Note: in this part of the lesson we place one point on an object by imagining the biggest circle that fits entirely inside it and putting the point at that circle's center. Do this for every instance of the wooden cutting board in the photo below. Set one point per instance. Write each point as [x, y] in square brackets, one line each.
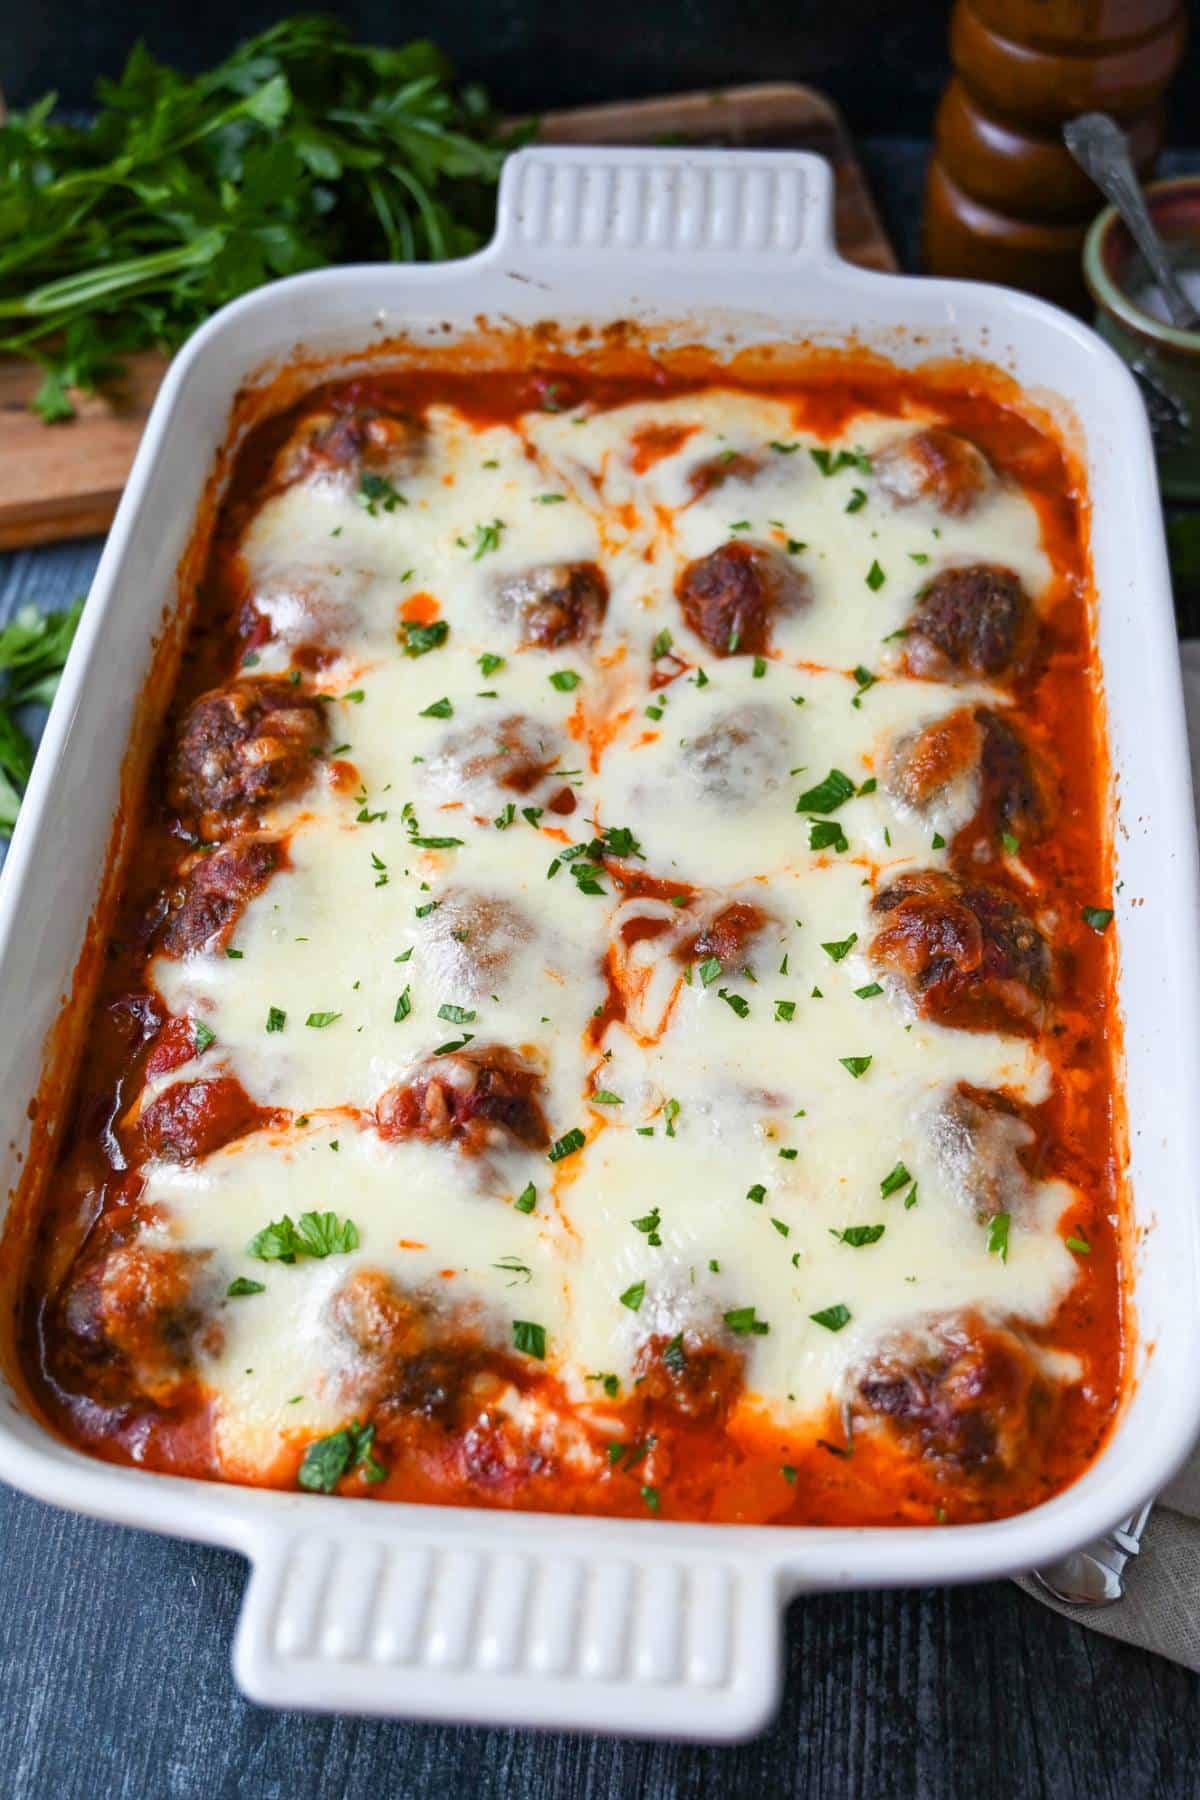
[64, 481]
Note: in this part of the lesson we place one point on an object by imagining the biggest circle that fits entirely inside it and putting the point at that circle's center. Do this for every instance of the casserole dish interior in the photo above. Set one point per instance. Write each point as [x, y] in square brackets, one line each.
[590, 1622]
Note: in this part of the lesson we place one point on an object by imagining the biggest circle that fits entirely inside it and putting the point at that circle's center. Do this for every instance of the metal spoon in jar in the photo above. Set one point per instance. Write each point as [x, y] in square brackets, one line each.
[1099, 147]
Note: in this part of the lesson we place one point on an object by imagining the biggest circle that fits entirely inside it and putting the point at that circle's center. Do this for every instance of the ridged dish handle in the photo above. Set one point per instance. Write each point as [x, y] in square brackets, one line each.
[440, 1624]
[751, 206]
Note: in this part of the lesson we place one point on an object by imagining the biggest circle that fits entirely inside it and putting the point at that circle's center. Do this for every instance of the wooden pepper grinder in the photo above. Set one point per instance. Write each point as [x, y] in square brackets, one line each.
[1004, 200]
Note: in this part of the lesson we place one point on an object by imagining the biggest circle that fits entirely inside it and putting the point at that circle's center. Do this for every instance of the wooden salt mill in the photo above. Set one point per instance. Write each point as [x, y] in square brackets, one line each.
[1004, 201]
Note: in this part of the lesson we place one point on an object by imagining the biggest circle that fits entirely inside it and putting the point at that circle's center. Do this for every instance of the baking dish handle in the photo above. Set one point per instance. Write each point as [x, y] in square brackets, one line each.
[440, 1623]
[747, 207]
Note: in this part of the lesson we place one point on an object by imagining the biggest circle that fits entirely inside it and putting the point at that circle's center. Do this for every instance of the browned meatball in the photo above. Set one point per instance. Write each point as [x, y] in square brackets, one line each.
[401, 1365]
[935, 465]
[728, 935]
[971, 746]
[982, 1141]
[556, 605]
[959, 1392]
[216, 892]
[487, 763]
[241, 748]
[743, 755]
[971, 624]
[470, 939]
[191, 1119]
[134, 1314]
[731, 597]
[689, 1375]
[965, 951]
[357, 434]
[314, 610]
[484, 1097]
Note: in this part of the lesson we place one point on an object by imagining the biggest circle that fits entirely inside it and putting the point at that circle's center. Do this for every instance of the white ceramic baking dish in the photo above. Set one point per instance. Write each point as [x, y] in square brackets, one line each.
[626, 1626]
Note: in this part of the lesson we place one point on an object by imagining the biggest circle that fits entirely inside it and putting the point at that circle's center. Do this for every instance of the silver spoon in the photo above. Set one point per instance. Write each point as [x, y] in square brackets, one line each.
[1098, 145]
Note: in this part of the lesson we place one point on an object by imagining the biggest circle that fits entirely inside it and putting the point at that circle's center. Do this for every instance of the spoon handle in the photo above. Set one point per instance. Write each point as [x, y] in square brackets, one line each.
[1098, 145]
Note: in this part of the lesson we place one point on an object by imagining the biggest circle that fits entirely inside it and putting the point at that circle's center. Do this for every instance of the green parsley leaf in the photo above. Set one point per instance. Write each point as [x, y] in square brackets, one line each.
[739, 1005]
[661, 645]
[529, 1339]
[419, 640]
[602, 1097]
[836, 951]
[567, 1145]
[319, 1020]
[757, 1193]
[633, 1296]
[875, 577]
[869, 992]
[742, 1322]
[565, 680]
[526, 1200]
[833, 1318]
[376, 494]
[1098, 917]
[828, 795]
[403, 1006]
[785, 1011]
[856, 1236]
[317, 1235]
[827, 834]
[1078, 1243]
[441, 709]
[856, 1065]
[1011, 844]
[488, 663]
[242, 1285]
[997, 1238]
[708, 970]
[276, 1018]
[857, 500]
[894, 1180]
[327, 1459]
[202, 1036]
[455, 1015]
[487, 538]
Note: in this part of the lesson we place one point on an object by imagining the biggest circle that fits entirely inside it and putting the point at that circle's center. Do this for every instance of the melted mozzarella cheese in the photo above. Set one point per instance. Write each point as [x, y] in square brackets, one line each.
[365, 936]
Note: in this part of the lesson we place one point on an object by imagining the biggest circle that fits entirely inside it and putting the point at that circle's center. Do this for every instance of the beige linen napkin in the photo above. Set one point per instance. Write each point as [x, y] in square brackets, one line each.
[1161, 1608]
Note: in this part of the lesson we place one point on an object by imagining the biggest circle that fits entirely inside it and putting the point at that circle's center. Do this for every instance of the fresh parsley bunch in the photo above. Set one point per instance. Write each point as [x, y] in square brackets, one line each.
[302, 149]
[33, 649]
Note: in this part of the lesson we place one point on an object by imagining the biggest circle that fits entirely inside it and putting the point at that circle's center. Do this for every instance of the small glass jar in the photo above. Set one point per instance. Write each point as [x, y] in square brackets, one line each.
[1131, 314]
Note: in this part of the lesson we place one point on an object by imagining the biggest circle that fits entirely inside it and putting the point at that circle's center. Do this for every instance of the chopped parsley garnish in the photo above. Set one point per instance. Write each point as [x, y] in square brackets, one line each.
[241, 1285]
[376, 494]
[781, 1228]
[671, 1112]
[435, 843]
[827, 795]
[327, 1459]
[760, 667]
[831, 461]
[650, 1497]
[937, 842]
[529, 1339]
[487, 537]
[565, 680]
[997, 1238]
[875, 577]
[526, 1200]
[857, 500]
[504, 819]
[742, 1322]
[739, 1005]
[455, 1015]
[918, 556]
[489, 663]
[661, 645]
[894, 1180]
[618, 840]
[1098, 917]
[783, 449]
[202, 1036]
[403, 1006]
[276, 1018]
[856, 1065]
[454, 1044]
[633, 1296]
[708, 970]
[566, 1145]
[788, 1473]
[319, 1020]
[603, 1097]
[1011, 844]
[423, 912]
[419, 640]
[831, 1317]
[649, 1227]
[757, 1193]
[869, 992]
[317, 1235]
[549, 499]
[827, 834]
[234, 955]
[1078, 1243]
[856, 1236]
[441, 709]
[785, 1011]
[841, 948]
[512, 1265]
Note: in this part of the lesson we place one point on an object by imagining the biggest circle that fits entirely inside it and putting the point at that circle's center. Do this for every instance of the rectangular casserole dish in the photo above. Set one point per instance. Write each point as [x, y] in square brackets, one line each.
[622, 1625]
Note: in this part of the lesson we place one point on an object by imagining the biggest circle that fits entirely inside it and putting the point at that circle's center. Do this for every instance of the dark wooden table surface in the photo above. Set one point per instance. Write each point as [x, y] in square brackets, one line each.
[114, 1646]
